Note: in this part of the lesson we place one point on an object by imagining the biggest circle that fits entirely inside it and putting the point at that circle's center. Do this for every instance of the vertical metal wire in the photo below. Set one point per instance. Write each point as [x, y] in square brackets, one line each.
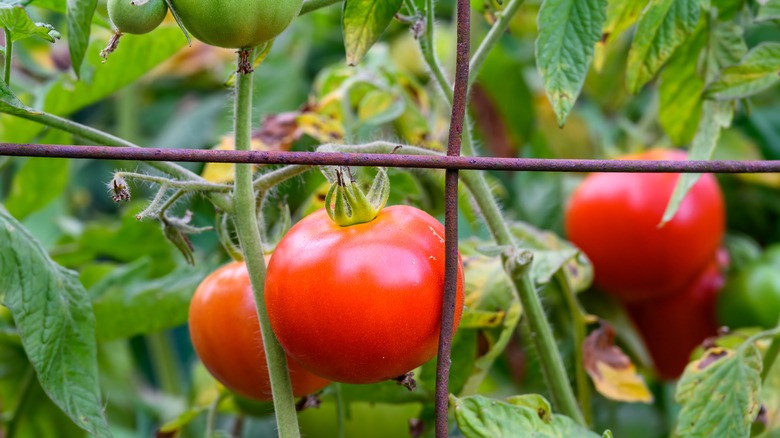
[451, 220]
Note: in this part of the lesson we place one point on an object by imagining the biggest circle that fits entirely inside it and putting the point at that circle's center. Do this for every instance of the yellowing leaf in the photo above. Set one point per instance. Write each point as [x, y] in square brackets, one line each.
[222, 173]
[321, 128]
[612, 372]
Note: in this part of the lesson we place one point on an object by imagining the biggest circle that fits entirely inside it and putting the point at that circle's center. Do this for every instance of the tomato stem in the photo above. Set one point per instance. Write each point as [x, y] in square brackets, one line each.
[770, 356]
[249, 237]
[9, 51]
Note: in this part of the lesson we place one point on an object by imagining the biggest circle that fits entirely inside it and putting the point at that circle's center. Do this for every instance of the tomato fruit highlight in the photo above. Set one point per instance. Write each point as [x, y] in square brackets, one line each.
[360, 303]
[226, 336]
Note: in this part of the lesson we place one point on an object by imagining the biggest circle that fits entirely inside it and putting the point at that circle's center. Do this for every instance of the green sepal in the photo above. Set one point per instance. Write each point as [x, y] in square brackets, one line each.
[346, 203]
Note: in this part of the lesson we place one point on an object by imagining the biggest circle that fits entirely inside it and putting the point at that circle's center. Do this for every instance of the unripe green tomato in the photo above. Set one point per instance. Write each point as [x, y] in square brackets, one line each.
[236, 24]
[751, 298]
[135, 16]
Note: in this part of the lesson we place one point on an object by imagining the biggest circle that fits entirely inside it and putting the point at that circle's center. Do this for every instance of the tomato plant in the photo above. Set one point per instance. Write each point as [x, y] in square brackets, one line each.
[236, 24]
[226, 336]
[360, 303]
[614, 218]
[672, 326]
[751, 296]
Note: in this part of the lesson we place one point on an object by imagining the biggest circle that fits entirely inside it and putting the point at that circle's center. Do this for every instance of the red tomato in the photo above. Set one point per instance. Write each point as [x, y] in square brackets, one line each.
[674, 325]
[226, 336]
[361, 303]
[614, 217]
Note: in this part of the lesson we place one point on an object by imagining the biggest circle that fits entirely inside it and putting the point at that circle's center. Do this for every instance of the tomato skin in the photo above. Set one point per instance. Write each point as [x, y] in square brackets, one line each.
[136, 19]
[360, 304]
[751, 297]
[674, 325]
[226, 336]
[614, 217]
[236, 24]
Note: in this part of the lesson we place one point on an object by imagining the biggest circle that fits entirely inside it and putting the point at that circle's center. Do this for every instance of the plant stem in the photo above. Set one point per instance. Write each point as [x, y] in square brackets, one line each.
[518, 266]
[770, 356]
[340, 414]
[211, 416]
[579, 324]
[492, 37]
[187, 186]
[249, 237]
[552, 365]
[164, 362]
[9, 51]
[104, 138]
[26, 389]
[313, 5]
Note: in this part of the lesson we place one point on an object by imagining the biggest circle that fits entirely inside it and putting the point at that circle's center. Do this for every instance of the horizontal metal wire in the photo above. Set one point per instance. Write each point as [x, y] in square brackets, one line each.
[387, 160]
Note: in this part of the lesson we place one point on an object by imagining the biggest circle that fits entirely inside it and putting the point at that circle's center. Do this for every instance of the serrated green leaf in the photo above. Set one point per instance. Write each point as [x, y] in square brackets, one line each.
[757, 71]
[482, 417]
[15, 20]
[715, 116]
[79, 14]
[621, 14]
[663, 26]
[769, 11]
[568, 32]
[126, 304]
[38, 182]
[719, 394]
[726, 48]
[363, 22]
[10, 104]
[680, 91]
[56, 324]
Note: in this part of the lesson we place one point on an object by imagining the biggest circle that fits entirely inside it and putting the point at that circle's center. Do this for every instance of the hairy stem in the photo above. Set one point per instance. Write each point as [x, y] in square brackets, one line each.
[211, 416]
[187, 186]
[249, 237]
[498, 29]
[100, 137]
[579, 324]
[9, 51]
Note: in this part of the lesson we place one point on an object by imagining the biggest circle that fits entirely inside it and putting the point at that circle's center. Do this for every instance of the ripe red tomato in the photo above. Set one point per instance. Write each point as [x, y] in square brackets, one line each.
[674, 325]
[614, 217]
[361, 303]
[226, 336]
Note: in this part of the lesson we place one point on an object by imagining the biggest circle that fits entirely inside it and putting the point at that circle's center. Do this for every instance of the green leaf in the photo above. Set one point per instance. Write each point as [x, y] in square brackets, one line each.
[664, 25]
[15, 19]
[482, 417]
[79, 14]
[380, 106]
[726, 48]
[680, 92]
[715, 116]
[568, 32]
[621, 14]
[758, 70]
[719, 394]
[127, 305]
[38, 182]
[138, 55]
[55, 322]
[363, 22]
[769, 11]
[10, 104]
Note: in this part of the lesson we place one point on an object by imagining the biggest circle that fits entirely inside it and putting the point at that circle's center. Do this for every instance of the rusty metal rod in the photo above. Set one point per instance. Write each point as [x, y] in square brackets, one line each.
[449, 301]
[387, 160]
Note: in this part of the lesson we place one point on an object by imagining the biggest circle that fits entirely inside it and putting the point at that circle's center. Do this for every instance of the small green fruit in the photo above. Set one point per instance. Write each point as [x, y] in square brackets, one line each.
[236, 24]
[136, 16]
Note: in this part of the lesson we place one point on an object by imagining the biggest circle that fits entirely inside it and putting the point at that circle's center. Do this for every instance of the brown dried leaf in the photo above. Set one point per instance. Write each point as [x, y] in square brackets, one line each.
[612, 372]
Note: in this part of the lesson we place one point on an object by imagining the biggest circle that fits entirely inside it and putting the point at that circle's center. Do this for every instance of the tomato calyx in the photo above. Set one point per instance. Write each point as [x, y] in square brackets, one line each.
[406, 380]
[346, 204]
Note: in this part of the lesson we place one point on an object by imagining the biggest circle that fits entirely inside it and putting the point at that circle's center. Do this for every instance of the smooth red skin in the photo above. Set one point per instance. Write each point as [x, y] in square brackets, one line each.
[614, 217]
[673, 326]
[360, 304]
[226, 336]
